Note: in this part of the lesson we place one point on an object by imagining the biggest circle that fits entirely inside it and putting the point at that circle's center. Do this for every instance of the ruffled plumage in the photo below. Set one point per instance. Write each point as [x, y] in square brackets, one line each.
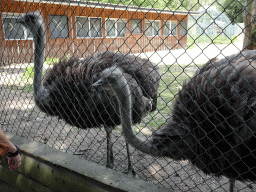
[213, 121]
[75, 100]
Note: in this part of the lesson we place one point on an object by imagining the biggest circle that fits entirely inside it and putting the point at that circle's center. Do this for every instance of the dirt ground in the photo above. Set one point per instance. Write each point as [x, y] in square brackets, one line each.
[20, 116]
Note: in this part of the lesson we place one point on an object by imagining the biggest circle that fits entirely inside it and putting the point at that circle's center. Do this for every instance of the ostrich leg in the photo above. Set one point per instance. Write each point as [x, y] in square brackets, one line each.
[110, 157]
[231, 185]
[131, 170]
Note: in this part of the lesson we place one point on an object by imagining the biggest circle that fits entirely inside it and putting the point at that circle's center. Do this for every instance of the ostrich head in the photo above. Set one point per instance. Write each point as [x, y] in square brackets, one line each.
[33, 21]
[111, 78]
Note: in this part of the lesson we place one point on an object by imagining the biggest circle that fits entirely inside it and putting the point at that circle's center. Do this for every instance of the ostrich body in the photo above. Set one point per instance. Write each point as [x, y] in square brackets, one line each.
[67, 91]
[213, 120]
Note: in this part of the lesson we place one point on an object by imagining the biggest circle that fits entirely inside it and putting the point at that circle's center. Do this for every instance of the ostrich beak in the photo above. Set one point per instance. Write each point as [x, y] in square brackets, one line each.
[20, 19]
[97, 83]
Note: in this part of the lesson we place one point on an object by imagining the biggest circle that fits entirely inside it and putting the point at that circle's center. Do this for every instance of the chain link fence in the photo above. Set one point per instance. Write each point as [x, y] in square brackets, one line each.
[176, 37]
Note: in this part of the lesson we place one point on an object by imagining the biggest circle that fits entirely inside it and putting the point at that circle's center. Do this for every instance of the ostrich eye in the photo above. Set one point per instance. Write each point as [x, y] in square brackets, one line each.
[30, 19]
[27, 19]
[112, 78]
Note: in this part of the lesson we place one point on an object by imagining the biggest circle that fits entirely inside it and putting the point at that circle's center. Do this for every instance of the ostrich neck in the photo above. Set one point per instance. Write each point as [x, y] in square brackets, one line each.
[39, 53]
[124, 97]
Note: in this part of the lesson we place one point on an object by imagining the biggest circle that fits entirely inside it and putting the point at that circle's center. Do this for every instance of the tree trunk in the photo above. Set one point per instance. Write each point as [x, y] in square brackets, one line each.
[249, 14]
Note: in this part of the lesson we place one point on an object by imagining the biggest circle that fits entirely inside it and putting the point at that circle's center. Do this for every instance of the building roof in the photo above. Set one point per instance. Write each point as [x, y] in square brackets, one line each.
[111, 6]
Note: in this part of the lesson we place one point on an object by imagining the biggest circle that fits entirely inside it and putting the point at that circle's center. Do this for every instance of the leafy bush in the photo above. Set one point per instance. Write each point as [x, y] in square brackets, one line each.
[28, 73]
[51, 60]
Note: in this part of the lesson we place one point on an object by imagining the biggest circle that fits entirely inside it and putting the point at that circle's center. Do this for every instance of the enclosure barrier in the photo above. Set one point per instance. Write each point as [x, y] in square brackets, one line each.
[170, 54]
[46, 169]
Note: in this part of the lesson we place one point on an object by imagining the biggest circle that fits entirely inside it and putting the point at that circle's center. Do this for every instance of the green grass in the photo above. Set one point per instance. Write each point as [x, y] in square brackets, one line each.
[27, 77]
[172, 78]
[204, 39]
[28, 73]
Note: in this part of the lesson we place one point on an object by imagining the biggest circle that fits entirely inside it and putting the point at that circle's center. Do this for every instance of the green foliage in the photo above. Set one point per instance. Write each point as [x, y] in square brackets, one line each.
[233, 9]
[28, 72]
[184, 5]
[51, 60]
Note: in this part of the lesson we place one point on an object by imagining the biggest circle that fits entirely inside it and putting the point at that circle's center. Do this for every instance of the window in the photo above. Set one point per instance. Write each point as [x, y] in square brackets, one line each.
[170, 28]
[136, 26]
[152, 28]
[183, 28]
[14, 30]
[58, 26]
[95, 29]
[115, 28]
[110, 28]
[88, 27]
[82, 27]
[121, 28]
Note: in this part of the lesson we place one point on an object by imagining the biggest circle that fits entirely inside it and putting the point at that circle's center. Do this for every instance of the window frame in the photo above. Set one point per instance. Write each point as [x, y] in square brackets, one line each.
[153, 29]
[25, 30]
[116, 28]
[68, 35]
[170, 22]
[132, 30]
[89, 19]
[183, 28]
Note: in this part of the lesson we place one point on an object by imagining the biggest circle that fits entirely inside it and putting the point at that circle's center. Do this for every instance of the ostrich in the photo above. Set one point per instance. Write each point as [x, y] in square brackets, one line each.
[67, 91]
[213, 118]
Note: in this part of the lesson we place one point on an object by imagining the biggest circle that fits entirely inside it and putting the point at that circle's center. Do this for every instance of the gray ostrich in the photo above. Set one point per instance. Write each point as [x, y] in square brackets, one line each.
[213, 120]
[67, 92]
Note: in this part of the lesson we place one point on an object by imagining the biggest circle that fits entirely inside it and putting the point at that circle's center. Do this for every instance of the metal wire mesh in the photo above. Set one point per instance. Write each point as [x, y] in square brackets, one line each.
[160, 32]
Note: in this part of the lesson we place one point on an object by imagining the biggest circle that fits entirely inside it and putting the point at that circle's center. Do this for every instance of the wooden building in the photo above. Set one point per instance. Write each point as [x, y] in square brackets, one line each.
[83, 28]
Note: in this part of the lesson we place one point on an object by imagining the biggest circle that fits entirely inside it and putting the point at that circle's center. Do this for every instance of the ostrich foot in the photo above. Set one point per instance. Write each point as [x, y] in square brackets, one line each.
[110, 165]
[231, 185]
[110, 159]
[130, 171]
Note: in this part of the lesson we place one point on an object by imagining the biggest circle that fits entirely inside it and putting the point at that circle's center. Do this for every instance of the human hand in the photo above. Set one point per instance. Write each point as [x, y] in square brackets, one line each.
[14, 162]
[14, 158]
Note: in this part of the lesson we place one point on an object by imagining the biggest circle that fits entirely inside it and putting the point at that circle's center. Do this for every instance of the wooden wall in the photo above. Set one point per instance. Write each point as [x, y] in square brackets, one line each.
[15, 51]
